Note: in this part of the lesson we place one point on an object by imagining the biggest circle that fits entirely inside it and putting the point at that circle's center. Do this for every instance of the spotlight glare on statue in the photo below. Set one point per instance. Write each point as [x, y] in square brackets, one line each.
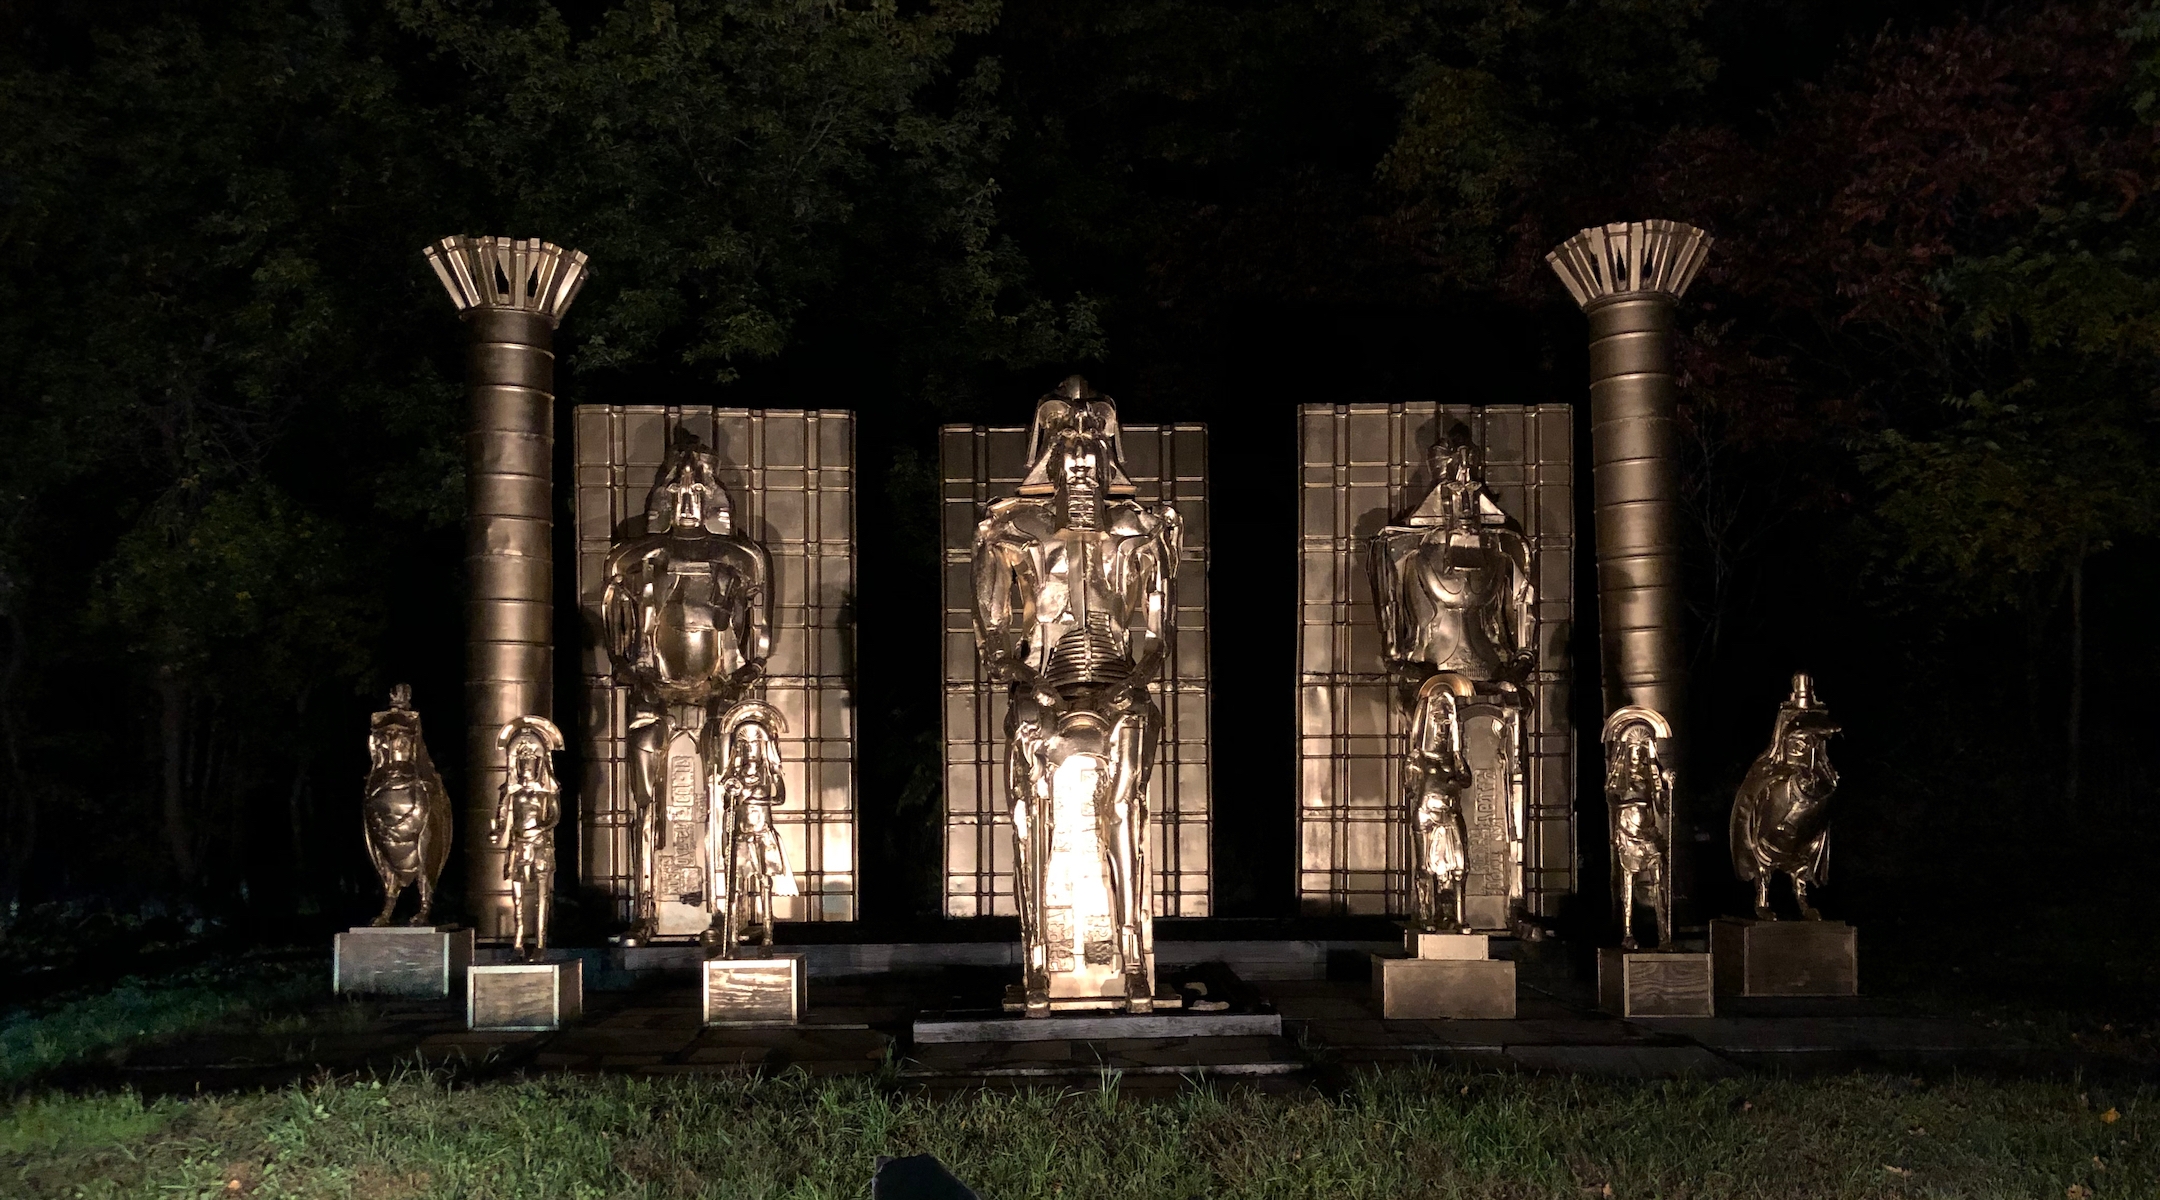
[1781, 816]
[526, 809]
[407, 815]
[1072, 582]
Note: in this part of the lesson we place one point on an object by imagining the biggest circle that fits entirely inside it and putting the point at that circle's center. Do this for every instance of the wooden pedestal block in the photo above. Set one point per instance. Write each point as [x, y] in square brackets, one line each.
[756, 991]
[531, 997]
[1654, 983]
[400, 961]
[1785, 958]
[1431, 989]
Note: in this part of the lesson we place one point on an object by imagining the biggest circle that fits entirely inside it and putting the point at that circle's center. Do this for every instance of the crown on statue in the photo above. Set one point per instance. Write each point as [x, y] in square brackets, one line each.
[500, 272]
[1630, 258]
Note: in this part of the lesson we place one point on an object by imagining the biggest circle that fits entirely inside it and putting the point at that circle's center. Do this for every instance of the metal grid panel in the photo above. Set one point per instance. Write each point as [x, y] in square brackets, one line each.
[981, 464]
[1361, 465]
[791, 474]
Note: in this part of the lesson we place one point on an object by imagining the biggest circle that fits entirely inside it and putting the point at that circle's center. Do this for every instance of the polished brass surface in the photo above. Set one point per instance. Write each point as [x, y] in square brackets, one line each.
[768, 990]
[1628, 276]
[525, 997]
[1638, 810]
[406, 814]
[1420, 944]
[527, 806]
[1785, 958]
[789, 478]
[1655, 983]
[686, 613]
[1161, 464]
[400, 962]
[1781, 816]
[745, 784]
[512, 293]
[1456, 602]
[1444, 989]
[1363, 465]
[1072, 581]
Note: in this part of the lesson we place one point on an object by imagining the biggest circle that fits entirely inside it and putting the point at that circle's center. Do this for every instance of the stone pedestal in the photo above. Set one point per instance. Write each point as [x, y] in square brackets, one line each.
[400, 961]
[1654, 983]
[530, 997]
[1448, 976]
[774, 990]
[1785, 958]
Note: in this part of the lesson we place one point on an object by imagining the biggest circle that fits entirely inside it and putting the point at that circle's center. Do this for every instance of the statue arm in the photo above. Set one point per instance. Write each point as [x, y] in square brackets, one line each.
[1159, 568]
[1005, 589]
[757, 615]
[499, 826]
[1521, 604]
[1384, 567]
[621, 602]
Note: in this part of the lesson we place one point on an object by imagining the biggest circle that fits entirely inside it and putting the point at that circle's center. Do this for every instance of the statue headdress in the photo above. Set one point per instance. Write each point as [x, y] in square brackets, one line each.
[1075, 411]
[688, 454]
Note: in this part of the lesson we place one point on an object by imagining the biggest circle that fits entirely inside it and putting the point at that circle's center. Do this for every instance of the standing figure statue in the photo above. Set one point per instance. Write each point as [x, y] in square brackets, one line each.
[1434, 777]
[1072, 608]
[526, 809]
[687, 612]
[748, 867]
[406, 813]
[1452, 590]
[1638, 805]
[1781, 816]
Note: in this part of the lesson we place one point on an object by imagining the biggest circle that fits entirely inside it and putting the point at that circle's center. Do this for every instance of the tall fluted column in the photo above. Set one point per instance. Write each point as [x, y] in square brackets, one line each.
[1628, 277]
[511, 293]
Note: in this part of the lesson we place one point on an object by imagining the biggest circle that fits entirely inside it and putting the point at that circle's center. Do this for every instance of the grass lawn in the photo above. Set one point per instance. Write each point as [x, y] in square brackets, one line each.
[1407, 1133]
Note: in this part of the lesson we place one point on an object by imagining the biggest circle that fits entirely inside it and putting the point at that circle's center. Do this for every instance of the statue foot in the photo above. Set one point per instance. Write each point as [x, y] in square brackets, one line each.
[380, 922]
[419, 920]
[1810, 914]
[1139, 997]
[1763, 912]
[1038, 1002]
[639, 933]
[1628, 942]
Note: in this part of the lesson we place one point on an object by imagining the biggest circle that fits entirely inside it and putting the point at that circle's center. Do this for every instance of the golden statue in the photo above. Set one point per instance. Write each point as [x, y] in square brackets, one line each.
[1781, 816]
[748, 867]
[1434, 778]
[1072, 606]
[688, 617]
[406, 813]
[1638, 807]
[528, 805]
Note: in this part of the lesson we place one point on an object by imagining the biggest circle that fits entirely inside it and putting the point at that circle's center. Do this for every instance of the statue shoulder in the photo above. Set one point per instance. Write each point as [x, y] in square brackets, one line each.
[1024, 516]
[1130, 518]
[625, 557]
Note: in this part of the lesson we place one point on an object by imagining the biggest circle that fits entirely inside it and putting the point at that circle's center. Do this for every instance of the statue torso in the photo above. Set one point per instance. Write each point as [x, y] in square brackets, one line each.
[692, 595]
[1074, 577]
[1453, 588]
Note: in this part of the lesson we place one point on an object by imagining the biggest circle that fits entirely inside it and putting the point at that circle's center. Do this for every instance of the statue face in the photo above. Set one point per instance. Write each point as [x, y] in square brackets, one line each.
[528, 762]
[687, 494]
[395, 743]
[752, 745]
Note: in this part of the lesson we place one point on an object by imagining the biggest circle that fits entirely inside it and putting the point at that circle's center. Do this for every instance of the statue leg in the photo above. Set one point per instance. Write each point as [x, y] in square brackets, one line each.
[1031, 844]
[517, 914]
[543, 888]
[647, 752]
[1799, 889]
[1763, 911]
[1131, 750]
[1627, 910]
[1662, 899]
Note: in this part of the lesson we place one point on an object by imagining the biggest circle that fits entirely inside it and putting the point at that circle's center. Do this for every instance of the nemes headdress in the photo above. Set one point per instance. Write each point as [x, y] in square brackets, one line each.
[1073, 412]
[688, 455]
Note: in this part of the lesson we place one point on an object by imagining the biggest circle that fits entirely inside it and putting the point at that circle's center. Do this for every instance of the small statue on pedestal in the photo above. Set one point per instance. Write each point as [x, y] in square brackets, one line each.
[524, 824]
[1434, 777]
[1452, 591]
[1072, 608]
[1638, 805]
[1781, 816]
[406, 813]
[748, 867]
[688, 621]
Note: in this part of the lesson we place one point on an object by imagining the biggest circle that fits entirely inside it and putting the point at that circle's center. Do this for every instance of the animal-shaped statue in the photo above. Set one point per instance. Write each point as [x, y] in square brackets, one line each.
[406, 813]
[1638, 805]
[1781, 816]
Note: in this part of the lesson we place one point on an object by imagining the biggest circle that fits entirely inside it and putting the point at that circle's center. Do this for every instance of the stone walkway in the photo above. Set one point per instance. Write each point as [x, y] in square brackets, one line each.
[1330, 1030]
